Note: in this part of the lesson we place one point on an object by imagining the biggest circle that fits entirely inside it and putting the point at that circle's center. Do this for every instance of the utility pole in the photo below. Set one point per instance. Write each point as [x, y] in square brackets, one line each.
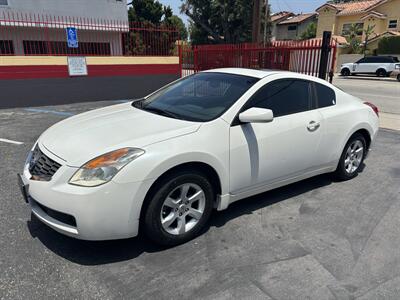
[256, 21]
[266, 22]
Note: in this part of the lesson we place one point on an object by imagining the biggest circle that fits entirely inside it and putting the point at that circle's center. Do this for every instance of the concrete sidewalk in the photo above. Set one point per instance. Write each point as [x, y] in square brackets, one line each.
[389, 121]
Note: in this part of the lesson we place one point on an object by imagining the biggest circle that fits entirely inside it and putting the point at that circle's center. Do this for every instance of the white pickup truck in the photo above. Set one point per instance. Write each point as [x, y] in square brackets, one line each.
[381, 66]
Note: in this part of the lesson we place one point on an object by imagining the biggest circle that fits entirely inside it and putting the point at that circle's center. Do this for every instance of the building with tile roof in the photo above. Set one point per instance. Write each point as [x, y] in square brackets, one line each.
[384, 15]
[276, 18]
[293, 27]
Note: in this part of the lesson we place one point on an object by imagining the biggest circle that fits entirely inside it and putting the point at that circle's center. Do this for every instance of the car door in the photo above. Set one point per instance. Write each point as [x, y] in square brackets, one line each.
[332, 123]
[362, 66]
[264, 153]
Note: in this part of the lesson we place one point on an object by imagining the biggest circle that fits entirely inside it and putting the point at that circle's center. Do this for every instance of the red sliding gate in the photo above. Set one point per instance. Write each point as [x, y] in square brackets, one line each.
[302, 57]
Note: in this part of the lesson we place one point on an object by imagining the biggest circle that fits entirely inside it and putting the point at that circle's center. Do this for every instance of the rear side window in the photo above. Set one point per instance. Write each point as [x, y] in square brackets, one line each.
[283, 97]
[325, 95]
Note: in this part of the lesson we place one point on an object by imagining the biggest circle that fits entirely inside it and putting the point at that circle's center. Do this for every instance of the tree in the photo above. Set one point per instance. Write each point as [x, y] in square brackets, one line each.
[219, 21]
[368, 32]
[177, 23]
[154, 15]
[389, 45]
[145, 11]
[353, 35]
[311, 31]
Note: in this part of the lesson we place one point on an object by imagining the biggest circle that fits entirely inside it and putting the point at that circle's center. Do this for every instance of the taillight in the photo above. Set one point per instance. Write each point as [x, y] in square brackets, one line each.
[374, 108]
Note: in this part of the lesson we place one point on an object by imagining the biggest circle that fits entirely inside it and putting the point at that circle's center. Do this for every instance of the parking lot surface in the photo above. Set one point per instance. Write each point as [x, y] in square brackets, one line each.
[316, 239]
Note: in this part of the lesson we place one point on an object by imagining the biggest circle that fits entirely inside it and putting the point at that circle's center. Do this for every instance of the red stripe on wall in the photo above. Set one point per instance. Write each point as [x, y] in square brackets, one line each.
[27, 72]
[121, 70]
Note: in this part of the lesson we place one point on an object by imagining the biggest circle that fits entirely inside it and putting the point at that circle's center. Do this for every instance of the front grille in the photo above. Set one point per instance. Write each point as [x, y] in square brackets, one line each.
[59, 216]
[41, 166]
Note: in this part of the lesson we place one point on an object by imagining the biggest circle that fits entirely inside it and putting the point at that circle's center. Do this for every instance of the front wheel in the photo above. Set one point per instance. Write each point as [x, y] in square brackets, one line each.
[352, 158]
[345, 72]
[398, 77]
[179, 208]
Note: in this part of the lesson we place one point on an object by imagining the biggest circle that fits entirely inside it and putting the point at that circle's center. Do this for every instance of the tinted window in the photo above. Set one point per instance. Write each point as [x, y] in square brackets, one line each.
[325, 95]
[201, 97]
[283, 97]
[371, 60]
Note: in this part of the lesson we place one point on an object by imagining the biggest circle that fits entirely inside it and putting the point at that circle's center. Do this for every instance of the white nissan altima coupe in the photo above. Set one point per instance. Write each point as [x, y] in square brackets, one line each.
[161, 164]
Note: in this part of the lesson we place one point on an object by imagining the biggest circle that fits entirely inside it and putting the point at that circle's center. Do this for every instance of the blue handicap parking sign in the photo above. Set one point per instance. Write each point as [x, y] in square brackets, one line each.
[72, 37]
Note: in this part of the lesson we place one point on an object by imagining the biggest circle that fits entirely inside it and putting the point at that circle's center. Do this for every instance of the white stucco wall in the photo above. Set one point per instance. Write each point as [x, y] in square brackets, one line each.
[98, 9]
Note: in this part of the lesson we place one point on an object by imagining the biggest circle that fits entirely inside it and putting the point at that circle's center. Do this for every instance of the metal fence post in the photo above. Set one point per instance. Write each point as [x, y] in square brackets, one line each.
[325, 49]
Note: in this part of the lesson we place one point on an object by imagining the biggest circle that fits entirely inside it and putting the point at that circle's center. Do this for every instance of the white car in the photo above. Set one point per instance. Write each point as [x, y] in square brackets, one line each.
[381, 66]
[163, 163]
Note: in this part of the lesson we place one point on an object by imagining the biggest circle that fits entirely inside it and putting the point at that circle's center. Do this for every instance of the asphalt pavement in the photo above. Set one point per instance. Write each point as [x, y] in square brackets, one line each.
[383, 92]
[316, 239]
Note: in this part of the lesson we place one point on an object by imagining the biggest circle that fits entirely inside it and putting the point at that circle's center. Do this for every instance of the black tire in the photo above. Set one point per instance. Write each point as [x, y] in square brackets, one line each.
[341, 173]
[381, 73]
[345, 72]
[152, 215]
[398, 77]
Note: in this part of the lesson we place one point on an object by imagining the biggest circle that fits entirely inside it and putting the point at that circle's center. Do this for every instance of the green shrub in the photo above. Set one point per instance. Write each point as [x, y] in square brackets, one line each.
[389, 45]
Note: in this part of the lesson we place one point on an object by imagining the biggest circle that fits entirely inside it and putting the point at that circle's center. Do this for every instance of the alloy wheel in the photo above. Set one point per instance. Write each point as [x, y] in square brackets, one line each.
[183, 208]
[354, 156]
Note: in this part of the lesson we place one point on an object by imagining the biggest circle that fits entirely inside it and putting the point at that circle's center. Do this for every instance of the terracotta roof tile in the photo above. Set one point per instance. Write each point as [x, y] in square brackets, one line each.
[280, 15]
[350, 8]
[297, 19]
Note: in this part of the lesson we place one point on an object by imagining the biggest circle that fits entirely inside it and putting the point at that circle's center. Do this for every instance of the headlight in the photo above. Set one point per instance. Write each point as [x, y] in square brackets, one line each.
[103, 168]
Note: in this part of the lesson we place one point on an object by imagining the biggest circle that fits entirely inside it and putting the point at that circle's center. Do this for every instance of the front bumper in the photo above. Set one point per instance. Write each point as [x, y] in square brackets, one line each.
[109, 211]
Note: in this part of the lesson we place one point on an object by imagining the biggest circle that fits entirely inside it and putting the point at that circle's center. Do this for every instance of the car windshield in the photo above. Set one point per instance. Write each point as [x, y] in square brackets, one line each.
[201, 97]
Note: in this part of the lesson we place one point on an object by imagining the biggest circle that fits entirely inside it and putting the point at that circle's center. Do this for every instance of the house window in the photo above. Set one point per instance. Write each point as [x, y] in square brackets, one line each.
[347, 28]
[6, 47]
[3, 2]
[392, 24]
[61, 48]
[292, 27]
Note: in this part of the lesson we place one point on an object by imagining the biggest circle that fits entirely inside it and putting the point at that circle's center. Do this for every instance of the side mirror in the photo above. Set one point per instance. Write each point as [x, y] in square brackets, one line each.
[256, 115]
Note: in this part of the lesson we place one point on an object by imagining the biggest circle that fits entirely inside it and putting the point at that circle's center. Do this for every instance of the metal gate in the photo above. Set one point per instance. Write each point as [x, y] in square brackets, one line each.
[302, 57]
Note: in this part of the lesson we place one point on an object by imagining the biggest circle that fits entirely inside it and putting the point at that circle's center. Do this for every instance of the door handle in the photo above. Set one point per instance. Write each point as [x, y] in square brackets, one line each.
[312, 126]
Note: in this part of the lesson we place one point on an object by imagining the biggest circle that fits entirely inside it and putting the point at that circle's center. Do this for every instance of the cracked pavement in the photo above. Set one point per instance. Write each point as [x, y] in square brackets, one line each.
[315, 239]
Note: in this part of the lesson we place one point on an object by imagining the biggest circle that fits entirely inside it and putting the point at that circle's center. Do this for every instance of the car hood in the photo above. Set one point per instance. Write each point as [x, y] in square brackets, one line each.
[81, 138]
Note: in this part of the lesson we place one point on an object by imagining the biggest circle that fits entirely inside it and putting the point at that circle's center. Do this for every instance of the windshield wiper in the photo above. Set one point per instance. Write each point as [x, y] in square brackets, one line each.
[138, 103]
[162, 112]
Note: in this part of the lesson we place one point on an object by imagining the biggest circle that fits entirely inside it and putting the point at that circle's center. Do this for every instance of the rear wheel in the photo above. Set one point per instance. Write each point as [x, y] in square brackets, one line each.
[381, 73]
[179, 209]
[345, 72]
[398, 77]
[352, 157]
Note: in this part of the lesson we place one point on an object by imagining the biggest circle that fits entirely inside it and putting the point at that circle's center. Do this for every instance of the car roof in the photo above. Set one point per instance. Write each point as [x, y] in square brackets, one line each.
[245, 72]
[267, 72]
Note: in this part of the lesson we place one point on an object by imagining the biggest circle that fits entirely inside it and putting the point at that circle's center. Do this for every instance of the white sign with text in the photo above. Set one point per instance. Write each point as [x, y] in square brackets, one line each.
[77, 66]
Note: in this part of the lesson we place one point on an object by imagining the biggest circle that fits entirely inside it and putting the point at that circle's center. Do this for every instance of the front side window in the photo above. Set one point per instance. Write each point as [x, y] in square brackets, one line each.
[283, 97]
[201, 97]
[325, 95]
